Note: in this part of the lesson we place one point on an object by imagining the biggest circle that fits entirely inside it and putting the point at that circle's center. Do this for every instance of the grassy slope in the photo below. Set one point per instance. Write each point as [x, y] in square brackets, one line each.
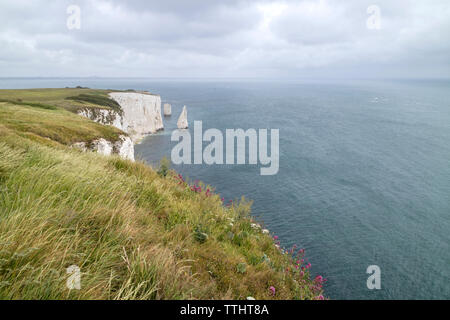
[55, 97]
[57, 125]
[134, 234]
[49, 113]
[65, 98]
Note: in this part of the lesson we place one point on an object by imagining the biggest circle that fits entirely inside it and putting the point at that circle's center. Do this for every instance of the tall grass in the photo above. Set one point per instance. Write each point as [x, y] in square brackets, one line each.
[53, 124]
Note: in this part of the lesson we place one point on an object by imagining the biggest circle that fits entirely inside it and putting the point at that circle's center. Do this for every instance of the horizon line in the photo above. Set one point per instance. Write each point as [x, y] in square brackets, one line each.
[227, 78]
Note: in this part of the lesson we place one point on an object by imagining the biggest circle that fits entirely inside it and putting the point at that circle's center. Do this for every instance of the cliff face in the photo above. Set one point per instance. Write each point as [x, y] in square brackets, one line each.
[106, 117]
[140, 116]
[124, 147]
[141, 113]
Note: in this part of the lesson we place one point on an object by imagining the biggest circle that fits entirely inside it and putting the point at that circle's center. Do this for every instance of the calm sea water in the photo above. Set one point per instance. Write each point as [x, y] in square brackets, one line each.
[364, 172]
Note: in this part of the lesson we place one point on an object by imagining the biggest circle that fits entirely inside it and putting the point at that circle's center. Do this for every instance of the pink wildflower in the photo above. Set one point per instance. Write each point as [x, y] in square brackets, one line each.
[319, 279]
[272, 290]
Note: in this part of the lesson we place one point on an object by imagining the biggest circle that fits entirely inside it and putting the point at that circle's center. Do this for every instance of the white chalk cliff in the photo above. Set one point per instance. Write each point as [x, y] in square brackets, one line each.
[105, 116]
[167, 110]
[183, 120]
[124, 147]
[141, 113]
[140, 116]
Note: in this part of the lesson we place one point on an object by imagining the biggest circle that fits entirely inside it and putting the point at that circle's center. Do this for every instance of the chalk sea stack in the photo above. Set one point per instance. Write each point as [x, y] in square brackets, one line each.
[183, 120]
[167, 110]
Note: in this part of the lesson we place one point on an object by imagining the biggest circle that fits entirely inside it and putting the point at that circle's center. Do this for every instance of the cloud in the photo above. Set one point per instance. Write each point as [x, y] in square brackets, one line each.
[233, 38]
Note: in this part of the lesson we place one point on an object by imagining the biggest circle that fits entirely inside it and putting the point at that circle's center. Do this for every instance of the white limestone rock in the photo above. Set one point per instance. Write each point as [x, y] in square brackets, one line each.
[106, 117]
[124, 147]
[103, 147]
[183, 120]
[141, 113]
[140, 116]
[167, 110]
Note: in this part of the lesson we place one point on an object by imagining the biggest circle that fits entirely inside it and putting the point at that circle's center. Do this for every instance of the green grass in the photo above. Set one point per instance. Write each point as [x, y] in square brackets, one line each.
[29, 104]
[134, 233]
[97, 100]
[71, 99]
[56, 124]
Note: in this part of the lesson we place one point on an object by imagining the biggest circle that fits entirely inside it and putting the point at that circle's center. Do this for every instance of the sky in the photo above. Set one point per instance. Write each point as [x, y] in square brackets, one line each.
[225, 39]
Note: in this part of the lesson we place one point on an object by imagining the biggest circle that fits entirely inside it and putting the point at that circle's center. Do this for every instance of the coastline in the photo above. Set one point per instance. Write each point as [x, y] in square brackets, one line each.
[139, 224]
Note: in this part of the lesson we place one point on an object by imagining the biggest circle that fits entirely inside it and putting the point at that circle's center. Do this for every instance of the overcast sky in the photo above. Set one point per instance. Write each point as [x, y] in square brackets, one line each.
[229, 38]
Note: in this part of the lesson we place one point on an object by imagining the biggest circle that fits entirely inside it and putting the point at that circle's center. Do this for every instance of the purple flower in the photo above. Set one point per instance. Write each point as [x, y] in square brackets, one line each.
[272, 290]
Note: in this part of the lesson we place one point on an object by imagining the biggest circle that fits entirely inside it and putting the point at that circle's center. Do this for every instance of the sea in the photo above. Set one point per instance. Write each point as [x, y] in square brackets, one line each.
[364, 170]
